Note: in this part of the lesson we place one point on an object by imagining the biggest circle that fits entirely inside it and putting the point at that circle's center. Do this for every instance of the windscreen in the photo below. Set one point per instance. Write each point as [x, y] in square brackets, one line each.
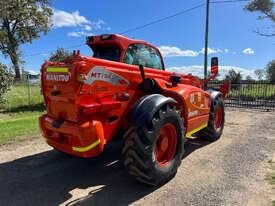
[108, 53]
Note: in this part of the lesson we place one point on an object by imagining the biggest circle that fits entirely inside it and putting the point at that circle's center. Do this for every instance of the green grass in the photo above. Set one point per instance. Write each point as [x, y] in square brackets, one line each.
[19, 115]
[18, 125]
[18, 96]
[270, 177]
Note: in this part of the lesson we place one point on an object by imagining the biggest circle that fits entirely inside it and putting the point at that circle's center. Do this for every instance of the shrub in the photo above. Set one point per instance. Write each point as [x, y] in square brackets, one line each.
[6, 79]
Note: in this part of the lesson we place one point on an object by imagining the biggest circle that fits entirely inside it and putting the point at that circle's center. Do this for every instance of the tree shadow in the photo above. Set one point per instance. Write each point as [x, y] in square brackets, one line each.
[51, 178]
[40, 107]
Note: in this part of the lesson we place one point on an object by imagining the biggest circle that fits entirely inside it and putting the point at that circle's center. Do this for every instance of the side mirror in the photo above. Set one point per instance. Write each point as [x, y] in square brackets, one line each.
[214, 65]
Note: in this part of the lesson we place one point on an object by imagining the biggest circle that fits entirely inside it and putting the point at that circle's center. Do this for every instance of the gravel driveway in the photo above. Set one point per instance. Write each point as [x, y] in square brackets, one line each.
[229, 171]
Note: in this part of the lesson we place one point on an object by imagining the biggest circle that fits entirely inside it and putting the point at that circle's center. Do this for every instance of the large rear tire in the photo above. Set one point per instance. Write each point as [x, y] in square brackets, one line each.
[214, 129]
[152, 153]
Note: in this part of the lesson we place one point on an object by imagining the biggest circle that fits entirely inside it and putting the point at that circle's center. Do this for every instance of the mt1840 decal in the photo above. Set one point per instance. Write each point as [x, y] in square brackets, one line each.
[101, 74]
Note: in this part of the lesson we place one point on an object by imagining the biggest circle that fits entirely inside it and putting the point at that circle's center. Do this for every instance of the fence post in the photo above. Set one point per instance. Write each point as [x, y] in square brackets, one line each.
[239, 99]
[29, 91]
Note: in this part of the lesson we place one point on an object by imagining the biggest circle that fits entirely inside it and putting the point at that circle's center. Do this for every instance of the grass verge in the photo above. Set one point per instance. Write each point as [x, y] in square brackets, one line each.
[18, 126]
[19, 115]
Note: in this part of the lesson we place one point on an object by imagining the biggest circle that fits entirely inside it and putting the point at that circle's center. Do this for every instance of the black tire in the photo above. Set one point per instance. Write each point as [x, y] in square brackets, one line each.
[139, 149]
[210, 133]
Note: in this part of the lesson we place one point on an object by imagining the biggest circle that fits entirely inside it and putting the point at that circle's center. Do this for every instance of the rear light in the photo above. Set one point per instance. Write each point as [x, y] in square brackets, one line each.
[105, 106]
[90, 109]
[122, 96]
[81, 77]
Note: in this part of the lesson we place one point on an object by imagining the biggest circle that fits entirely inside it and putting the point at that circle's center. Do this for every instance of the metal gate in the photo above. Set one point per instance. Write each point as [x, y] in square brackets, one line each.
[249, 94]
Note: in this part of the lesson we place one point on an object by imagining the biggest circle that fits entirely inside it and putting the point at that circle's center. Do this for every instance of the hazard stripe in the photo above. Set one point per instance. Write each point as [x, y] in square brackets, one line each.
[57, 69]
[85, 149]
[196, 130]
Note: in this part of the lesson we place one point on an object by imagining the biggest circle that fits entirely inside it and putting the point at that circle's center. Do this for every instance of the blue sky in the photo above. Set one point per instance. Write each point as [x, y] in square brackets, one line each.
[180, 39]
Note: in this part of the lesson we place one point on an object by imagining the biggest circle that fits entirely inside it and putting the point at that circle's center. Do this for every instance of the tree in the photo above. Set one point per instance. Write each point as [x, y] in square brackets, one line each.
[5, 81]
[266, 7]
[260, 73]
[270, 71]
[21, 21]
[60, 55]
[234, 77]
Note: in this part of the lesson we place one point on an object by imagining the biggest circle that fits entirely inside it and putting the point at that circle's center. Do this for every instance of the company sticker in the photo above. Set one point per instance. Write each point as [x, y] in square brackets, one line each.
[101, 74]
[193, 113]
[58, 77]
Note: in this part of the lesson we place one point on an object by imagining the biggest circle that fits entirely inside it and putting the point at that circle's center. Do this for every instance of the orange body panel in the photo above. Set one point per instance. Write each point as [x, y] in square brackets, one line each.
[92, 113]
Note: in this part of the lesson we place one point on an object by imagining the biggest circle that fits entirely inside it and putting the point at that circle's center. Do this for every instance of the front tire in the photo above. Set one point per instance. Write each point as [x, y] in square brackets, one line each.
[152, 153]
[214, 129]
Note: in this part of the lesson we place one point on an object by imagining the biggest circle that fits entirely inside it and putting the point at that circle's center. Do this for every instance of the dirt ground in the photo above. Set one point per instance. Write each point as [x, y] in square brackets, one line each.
[229, 171]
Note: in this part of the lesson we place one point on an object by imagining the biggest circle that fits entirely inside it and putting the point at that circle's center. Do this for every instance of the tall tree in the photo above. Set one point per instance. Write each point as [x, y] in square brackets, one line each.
[60, 55]
[21, 21]
[260, 73]
[266, 7]
[234, 77]
[270, 71]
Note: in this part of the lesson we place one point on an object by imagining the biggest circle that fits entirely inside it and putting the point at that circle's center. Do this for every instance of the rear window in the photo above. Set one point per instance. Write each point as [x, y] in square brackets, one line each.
[108, 53]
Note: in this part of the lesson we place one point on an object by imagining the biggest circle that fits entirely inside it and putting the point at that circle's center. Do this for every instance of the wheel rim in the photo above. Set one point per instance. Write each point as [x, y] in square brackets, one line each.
[218, 118]
[166, 144]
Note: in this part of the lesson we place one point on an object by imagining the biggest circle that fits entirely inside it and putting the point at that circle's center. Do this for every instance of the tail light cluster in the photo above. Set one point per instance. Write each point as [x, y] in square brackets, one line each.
[122, 97]
[81, 77]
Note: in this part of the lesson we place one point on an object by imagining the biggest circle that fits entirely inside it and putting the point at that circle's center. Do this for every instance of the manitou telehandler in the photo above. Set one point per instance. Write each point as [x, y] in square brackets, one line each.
[124, 93]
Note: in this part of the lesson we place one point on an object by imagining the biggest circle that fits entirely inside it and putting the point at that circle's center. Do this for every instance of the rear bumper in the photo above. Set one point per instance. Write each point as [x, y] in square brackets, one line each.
[79, 139]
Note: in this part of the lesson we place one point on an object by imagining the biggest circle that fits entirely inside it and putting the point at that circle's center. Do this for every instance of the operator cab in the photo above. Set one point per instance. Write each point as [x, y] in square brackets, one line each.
[118, 48]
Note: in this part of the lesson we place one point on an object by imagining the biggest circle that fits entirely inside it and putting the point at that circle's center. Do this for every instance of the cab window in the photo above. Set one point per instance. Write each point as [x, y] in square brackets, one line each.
[108, 53]
[140, 54]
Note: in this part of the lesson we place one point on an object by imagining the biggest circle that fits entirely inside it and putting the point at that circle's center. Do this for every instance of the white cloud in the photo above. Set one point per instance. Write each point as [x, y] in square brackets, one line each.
[198, 70]
[78, 34]
[75, 34]
[168, 51]
[74, 19]
[248, 51]
[65, 19]
[98, 24]
[211, 51]
[87, 28]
